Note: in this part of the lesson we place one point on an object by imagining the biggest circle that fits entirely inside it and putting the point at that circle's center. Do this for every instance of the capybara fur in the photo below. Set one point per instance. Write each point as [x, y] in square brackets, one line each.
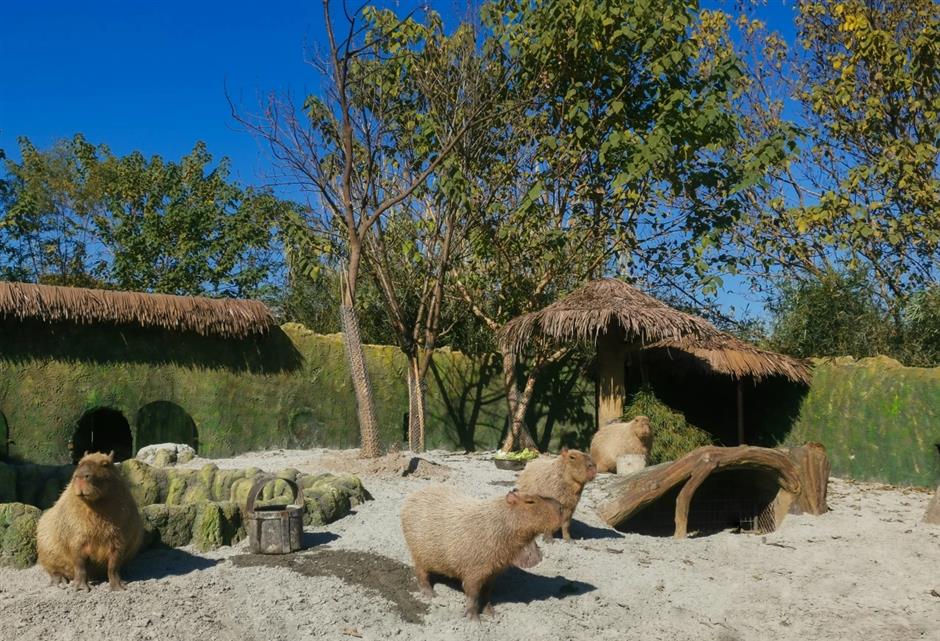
[94, 527]
[614, 440]
[563, 479]
[472, 540]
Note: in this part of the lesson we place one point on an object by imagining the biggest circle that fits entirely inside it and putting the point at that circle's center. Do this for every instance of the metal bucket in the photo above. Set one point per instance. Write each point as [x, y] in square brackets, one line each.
[275, 529]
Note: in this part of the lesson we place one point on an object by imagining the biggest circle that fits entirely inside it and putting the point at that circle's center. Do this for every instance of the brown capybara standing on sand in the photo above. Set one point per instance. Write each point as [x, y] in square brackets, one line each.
[472, 540]
[94, 526]
[562, 479]
[617, 439]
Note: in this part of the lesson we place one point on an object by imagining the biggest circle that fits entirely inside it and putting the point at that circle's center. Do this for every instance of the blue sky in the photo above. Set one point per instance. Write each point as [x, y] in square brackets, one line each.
[152, 76]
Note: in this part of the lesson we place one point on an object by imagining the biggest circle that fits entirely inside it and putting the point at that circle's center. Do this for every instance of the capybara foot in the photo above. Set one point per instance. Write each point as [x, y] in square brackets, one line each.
[548, 538]
[81, 585]
[489, 611]
[426, 590]
[117, 584]
[472, 614]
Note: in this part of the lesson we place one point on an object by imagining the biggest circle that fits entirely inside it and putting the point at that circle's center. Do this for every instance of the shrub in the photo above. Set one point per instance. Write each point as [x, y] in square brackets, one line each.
[673, 435]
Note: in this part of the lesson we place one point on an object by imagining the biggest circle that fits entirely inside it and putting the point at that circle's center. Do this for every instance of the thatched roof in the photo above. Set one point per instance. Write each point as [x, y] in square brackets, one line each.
[731, 356]
[591, 309]
[229, 318]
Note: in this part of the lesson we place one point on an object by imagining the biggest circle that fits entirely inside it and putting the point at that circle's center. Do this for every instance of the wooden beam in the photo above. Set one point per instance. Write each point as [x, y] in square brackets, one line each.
[611, 354]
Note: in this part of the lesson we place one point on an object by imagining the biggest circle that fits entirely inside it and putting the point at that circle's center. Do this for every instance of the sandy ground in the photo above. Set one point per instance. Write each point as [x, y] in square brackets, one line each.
[865, 570]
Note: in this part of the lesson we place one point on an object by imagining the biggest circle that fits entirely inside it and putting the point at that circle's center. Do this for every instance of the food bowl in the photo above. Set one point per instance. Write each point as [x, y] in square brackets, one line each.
[509, 464]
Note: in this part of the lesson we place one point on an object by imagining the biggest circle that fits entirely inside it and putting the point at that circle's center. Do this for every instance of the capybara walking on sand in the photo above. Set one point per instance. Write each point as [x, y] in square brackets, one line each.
[616, 439]
[93, 528]
[472, 540]
[562, 479]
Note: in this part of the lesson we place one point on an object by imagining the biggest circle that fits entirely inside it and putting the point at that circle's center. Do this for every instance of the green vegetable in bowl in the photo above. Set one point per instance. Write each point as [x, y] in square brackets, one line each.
[524, 455]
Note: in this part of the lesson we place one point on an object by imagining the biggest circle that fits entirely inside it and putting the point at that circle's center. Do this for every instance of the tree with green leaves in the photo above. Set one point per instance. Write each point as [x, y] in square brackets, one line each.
[79, 215]
[361, 148]
[862, 193]
[629, 159]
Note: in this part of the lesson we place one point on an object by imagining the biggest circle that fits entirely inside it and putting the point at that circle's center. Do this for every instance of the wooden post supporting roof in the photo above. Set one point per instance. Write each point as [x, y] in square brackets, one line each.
[611, 355]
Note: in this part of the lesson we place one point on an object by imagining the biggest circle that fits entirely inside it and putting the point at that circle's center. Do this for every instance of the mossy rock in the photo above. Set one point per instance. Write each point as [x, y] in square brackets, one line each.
[184, 455]
[18, 545]
[196, 492]
[222, 484]
[148, 484]
[7, 483]
[217, 524]
[178, 483]
[288, 473]
[313, 513]
[206, 475]
[164, 458]
[240, 489]
[309, 480]
[169, 525]
[353, 486]
[333, 502]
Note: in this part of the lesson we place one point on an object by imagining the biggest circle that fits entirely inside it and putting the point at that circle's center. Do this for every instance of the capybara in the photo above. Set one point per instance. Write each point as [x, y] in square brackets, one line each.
[472, 540]
[94, 527]
[616, 439]
[562, 479]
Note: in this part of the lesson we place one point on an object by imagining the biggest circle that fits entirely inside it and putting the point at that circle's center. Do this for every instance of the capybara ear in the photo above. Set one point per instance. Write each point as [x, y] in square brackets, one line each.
[85, 454]
[512, 497]
[111, 456]
[564, 451]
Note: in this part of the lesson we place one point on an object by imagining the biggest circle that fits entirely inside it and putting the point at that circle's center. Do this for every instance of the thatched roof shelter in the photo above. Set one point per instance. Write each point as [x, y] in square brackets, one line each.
[228, 318]
[618, 317]
[731, 356]
[593, 309]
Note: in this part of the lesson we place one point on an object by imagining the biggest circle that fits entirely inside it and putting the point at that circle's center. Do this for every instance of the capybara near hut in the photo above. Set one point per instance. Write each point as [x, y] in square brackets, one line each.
[94, 527]
[472, 540]
[563, 479]
[614, 440]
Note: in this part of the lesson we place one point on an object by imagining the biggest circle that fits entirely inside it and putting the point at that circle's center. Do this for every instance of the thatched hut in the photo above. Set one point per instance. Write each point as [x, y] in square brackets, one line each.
[617, 317]
[226, 318]
[730, 356]
[621, 319]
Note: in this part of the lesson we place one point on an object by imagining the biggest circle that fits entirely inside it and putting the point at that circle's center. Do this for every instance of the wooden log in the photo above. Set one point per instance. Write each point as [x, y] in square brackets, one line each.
[633, 493]
[814, 468]
[932, 515]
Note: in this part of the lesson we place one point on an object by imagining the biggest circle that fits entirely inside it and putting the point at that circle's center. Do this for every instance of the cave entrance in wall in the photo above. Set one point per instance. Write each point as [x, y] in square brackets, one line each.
[101, 430]
[165, 422]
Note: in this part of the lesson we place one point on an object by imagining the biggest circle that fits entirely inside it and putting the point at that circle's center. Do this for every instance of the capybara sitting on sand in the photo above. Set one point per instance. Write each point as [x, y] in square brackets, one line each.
[616, 439]
[562, 479]
[472, 540]
[93, 528]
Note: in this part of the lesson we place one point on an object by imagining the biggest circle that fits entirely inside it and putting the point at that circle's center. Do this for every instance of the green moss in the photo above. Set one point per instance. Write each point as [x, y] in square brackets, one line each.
[222, 484]
[673, 435]
[877, 420]
[169, 525]
[163, 458]
[148, 484]
[217, 524]
[178, 483]
[18, 544]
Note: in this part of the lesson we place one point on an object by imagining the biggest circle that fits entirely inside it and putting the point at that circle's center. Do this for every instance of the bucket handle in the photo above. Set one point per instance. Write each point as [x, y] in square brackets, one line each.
[260, 485]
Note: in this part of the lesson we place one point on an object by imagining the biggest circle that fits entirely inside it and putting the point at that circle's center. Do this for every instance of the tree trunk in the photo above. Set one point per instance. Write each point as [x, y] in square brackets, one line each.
[416, 397]
[611, 356]
[517, 405]
[365, 407]
[814, 467]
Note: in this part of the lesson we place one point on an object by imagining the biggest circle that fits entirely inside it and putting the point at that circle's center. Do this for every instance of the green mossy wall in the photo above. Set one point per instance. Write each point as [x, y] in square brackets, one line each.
[879, 421]
[287, 389]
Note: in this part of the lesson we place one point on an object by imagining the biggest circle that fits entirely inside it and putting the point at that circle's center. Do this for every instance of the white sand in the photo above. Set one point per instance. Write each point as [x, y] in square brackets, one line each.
[865, 570]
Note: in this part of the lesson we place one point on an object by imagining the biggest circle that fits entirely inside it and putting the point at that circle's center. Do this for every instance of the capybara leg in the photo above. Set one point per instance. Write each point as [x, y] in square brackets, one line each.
[81, 576]
[486, 598]
[566, 529]
[471, 588]
[114, 576]
[424, 581]
[58, 580]
[548, 537]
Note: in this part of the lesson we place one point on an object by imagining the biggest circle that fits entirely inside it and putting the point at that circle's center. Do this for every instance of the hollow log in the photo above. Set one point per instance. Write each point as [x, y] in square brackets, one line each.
[798, 472]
